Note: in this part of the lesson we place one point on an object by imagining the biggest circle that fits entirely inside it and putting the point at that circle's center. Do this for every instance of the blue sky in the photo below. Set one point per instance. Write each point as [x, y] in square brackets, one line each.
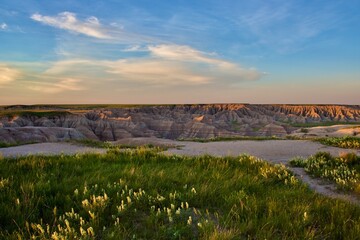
[179, 51]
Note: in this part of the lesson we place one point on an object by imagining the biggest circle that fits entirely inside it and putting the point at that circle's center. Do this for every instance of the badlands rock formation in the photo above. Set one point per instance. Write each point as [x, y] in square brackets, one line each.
[21, 124]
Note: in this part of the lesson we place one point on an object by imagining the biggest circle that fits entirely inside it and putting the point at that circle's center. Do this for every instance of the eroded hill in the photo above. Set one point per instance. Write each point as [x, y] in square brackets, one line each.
[111, 123]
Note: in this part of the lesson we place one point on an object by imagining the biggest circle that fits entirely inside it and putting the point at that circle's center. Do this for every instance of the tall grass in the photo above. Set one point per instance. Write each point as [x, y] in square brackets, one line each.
[141, 194]
[343, 142]
[344, 170]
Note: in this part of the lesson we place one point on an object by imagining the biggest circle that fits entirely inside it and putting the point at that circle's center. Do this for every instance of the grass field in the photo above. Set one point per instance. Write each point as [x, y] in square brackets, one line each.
[141, 194]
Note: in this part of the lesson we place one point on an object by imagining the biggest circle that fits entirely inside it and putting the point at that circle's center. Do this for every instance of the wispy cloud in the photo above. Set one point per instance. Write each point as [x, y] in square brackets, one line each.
[62, 85]
[164, 65]
[156, 72]
[181, 53]
[216, 68]
[68, 21]
[25, 76]
[8, 74]
[135, 48]
[3, 26]
[157, 64]
[91, 27]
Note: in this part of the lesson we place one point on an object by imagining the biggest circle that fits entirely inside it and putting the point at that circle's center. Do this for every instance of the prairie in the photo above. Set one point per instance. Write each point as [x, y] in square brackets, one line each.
[143, 194]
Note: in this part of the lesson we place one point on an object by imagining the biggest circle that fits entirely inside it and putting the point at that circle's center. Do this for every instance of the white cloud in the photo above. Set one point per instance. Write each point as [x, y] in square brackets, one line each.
[180, 53]
[3, 26]
[68, 21]
[165, 65]
[135, 48]
[212, 66]
[152, 71]
[39, 81]
[68, 66]
[67, 84]
[8, 74]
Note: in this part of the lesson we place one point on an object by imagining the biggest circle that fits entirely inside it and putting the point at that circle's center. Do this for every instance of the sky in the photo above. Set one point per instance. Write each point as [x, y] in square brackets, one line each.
[179, 51]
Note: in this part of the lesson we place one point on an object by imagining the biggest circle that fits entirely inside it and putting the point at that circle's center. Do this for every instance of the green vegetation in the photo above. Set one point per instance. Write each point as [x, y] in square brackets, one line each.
[141, 194]
[32, 113]
[6, 145]
[93, 143]
[343, 142]
[110, 145]
[343, 170]
[304, 130]
[78, 106]
[320, 124]
[239, 138]
[98, 106]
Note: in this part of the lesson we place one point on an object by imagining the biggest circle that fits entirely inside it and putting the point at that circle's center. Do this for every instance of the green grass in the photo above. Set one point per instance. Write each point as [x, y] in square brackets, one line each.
[32, 113]
[6, 145]
[145, 195]
[79, 106]
[344, 170]
[342, 142]
[240, 138]
[93, 143]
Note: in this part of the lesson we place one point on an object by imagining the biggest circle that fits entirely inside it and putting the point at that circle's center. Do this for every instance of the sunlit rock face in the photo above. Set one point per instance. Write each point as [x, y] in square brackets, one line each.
[170, 121]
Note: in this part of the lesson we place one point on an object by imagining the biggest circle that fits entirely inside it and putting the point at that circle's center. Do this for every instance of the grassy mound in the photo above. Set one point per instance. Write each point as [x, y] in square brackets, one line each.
[141, 194]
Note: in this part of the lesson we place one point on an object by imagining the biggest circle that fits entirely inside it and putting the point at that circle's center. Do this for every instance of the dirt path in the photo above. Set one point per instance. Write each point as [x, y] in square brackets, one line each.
[275, 151]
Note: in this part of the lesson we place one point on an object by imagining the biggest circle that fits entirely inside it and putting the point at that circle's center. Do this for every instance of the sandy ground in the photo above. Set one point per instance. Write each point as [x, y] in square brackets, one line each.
[275, 151]
[47, 149]
[329, 131]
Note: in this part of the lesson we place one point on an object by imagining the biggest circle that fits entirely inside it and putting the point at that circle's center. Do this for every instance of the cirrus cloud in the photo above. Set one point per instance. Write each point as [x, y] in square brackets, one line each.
[68, 21]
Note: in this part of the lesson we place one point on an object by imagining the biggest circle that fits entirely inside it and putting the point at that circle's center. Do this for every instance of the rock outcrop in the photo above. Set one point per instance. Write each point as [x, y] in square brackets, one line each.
[16, 135]
[53, 123]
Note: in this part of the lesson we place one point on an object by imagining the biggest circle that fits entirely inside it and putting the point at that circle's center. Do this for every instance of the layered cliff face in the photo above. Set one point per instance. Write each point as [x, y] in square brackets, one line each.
[170, 121]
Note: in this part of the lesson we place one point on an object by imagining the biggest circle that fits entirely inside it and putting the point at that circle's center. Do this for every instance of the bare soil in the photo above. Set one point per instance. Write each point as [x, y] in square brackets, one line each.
[47, 149]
